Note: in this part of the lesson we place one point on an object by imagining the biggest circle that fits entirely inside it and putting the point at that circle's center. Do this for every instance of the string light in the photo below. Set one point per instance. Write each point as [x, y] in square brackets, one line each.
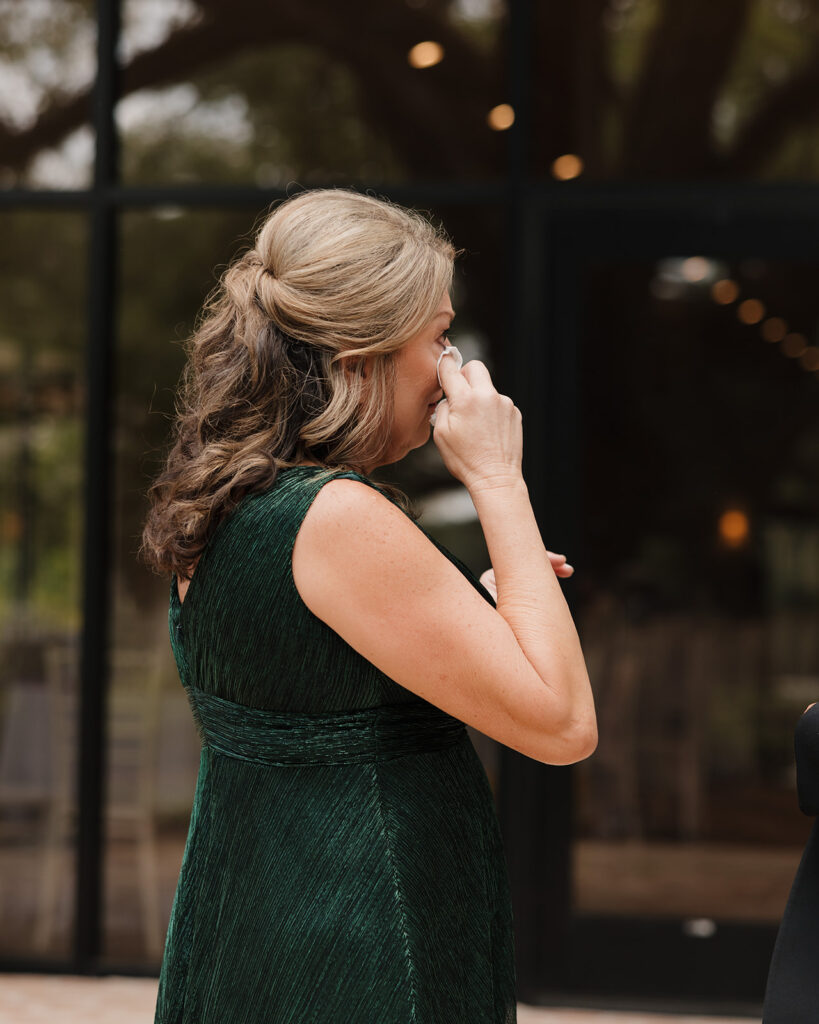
[426, 54]
[734, 528]
[794, 345]
[725, 291]
[751, 311]
[774, 329]
[809, 360]
[568, 166]
[501, 117]
[695, 268]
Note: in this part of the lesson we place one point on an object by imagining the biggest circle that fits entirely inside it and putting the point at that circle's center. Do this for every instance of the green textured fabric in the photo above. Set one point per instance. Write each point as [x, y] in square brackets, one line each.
[343, 862]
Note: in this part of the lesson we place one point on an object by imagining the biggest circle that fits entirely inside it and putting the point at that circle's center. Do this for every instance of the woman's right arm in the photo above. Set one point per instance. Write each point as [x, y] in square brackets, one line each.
[517, 672]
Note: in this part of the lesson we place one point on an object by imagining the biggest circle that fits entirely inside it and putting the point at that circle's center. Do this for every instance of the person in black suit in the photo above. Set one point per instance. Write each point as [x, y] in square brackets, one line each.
[792, 995]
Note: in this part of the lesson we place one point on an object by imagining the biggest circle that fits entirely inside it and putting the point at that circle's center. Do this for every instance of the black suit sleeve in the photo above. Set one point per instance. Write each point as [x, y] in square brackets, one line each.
[806, 747]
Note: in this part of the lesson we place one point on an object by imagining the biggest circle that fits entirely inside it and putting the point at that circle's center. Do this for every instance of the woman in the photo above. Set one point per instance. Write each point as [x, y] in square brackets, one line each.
[344, 862]
[792, 994]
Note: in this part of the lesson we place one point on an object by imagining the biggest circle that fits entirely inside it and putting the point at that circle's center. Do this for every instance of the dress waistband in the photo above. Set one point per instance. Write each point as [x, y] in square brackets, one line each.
[343, 737]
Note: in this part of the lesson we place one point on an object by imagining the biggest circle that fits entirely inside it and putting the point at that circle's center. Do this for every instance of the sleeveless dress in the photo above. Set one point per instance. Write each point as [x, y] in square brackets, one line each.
[792, 992]
[344, 862]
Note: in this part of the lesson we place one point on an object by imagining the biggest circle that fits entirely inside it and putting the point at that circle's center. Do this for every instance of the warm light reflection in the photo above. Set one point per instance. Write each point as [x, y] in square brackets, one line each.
[501, 117]
[809, 360]
[568, 166]
[725, 291]
[751, 311]
[426, 54]
[774, 329]
[695, 268]
[734, 528]
[794, 345]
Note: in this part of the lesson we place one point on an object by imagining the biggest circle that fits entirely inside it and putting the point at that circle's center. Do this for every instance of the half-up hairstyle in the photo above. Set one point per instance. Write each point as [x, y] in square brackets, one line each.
[273, 373]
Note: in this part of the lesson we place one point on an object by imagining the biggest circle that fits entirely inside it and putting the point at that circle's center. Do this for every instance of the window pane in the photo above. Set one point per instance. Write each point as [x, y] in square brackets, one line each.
[701, 592]
[270, 94]
[653, 89]
[41, 446]
[47, 67]
[153, 752]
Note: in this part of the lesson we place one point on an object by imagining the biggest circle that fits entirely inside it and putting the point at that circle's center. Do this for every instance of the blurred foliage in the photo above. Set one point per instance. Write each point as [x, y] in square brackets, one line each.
[273, 92]
[42, 369]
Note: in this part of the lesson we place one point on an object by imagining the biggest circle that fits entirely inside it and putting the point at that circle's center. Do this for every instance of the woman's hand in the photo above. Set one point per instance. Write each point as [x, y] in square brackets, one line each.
[477, 430]
[559, 564]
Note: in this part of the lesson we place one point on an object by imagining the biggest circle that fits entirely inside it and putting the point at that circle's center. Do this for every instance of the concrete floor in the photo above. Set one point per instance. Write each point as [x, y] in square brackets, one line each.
[44, 999]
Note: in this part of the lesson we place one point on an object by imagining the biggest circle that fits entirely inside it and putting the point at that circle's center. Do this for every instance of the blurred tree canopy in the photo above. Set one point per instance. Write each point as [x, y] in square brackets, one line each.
[270, 91]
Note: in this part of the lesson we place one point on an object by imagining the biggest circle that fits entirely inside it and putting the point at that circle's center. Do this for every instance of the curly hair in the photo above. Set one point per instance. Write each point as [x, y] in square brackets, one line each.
[273, 376]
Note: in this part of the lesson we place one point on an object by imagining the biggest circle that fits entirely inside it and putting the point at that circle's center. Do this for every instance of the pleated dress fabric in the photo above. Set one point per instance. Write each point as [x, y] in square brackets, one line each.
[343, 862]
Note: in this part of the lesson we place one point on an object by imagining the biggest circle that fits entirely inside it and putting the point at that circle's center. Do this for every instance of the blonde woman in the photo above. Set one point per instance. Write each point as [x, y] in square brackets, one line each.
[344, 862]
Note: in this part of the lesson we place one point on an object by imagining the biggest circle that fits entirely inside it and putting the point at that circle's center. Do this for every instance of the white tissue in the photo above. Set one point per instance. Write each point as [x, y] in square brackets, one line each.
[450, 350]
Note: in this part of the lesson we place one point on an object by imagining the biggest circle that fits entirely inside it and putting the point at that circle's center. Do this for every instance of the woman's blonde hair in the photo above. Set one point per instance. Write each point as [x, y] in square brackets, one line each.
[273, 377]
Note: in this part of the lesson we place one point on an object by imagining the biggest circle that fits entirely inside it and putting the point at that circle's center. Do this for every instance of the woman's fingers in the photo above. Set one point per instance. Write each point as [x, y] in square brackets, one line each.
[477, 374]
[452, 379]
[477, 431]
[560, 565]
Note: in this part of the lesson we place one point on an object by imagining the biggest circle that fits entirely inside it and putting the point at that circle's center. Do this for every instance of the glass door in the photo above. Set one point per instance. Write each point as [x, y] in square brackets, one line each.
[687, 465]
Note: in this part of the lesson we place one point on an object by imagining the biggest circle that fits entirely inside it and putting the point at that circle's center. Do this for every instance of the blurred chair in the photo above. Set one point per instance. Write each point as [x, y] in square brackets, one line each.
[36, 778]
[133, 709]
[56, 885]
[134, 701]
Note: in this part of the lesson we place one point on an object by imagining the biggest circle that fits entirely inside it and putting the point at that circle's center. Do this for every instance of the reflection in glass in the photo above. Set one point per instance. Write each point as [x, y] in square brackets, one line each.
[167, 269]
[699, 603]
[653, 89]
[277, 95]
[47, 66]
[41, 445]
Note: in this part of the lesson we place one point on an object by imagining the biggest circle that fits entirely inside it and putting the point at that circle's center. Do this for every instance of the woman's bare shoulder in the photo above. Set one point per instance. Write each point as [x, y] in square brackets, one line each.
[351, 524]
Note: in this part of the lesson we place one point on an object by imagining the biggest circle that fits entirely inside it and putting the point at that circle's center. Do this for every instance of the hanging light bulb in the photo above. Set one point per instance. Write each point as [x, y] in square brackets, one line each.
[426, 54]
[734, 528]
[774, 329]
[501, 117]
[725, 291]
[751, 311]
[568, 166]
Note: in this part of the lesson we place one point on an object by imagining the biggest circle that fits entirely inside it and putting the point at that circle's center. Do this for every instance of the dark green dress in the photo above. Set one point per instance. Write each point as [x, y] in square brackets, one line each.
[344, 862]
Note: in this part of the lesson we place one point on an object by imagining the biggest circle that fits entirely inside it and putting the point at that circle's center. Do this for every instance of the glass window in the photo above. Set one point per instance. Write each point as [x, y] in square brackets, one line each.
[47, 66]
[699, 595]
[285, 95]
[652, 89]
[153, 751]
[41, 449]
